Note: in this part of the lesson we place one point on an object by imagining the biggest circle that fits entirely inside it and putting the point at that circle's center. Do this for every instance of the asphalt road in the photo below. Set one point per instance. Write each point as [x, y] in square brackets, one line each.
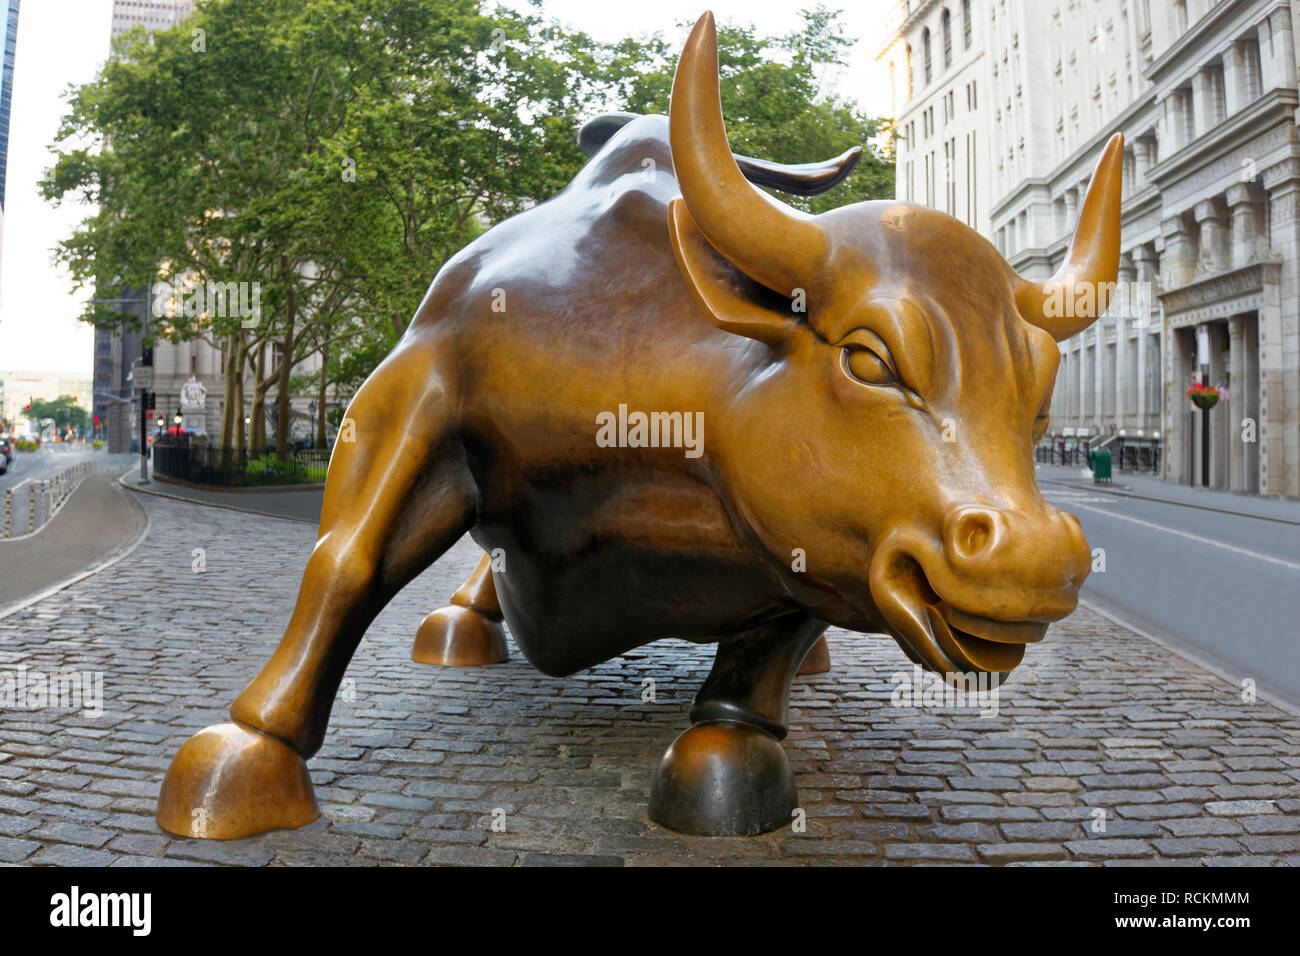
[1223, 587]
[49, 460]
[46, 461]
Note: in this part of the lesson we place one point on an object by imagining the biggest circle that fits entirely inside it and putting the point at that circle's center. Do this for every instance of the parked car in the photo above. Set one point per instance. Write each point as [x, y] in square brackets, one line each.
[6, 454]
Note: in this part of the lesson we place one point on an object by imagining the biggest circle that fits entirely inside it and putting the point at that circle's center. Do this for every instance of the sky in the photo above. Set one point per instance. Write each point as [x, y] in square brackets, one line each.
[65, 42]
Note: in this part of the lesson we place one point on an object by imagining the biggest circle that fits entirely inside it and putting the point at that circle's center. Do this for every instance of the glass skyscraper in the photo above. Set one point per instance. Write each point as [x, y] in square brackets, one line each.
[10, 9]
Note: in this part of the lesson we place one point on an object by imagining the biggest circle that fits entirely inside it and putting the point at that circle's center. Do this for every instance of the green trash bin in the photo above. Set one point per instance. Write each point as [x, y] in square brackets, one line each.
[1100, 467]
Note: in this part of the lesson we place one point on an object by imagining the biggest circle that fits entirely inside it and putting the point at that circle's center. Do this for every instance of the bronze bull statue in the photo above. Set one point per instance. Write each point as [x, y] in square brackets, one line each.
[681, 408]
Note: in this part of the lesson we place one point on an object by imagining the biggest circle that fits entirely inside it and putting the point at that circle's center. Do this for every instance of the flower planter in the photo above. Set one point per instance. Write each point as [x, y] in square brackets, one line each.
[1203, 397]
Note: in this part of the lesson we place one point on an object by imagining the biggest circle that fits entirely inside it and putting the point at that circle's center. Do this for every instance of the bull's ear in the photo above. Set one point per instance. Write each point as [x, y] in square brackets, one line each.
[734, 302]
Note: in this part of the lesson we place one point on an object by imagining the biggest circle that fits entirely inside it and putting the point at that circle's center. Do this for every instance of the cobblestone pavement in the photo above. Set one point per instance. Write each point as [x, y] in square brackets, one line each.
[1099, 723]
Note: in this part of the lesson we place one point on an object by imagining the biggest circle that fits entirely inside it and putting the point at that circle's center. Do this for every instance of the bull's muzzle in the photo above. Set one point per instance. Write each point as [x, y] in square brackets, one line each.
[971, 597]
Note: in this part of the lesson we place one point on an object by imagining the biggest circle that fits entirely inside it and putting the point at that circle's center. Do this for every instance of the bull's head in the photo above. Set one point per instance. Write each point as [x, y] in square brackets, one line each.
[887, 430]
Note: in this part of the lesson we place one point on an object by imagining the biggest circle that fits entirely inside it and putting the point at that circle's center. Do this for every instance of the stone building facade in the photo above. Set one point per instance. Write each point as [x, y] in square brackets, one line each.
[1206, 94]
[937, 63]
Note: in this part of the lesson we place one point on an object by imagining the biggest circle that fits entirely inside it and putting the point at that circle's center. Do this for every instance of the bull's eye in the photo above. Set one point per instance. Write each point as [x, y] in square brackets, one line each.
[867, 366]
[1040, 425]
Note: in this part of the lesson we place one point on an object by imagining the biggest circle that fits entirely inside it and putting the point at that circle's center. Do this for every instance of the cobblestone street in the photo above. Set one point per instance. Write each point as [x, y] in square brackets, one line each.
[419, 761]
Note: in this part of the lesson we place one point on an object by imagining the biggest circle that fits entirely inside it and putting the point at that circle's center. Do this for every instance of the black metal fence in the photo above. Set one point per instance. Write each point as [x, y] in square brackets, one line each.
[238, 467]
[1136, 458]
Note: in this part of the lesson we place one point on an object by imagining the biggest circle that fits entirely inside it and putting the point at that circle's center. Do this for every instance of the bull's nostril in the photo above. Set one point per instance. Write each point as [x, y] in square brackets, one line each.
[972, 532]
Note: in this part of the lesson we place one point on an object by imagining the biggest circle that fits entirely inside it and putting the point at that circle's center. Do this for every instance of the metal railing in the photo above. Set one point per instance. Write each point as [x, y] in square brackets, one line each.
[26, 512]
[1128, 458]
[238, 467]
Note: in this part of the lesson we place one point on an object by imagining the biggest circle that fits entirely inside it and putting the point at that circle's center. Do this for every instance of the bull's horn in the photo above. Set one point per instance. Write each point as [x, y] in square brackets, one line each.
[767, 240]
[1072, 299]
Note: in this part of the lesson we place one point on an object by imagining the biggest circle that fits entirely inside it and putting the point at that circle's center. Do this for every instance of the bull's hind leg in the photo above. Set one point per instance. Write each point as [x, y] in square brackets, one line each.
[395, 499]
[728, 775]
[468, 632]
[817, 660]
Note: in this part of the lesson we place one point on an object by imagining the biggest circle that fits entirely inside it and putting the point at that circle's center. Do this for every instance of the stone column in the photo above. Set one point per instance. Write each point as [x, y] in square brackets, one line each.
[1125, 318]
[1277, 58]
[1084, 394]
[1219, 413]
[1236, 396]
[1168, 120]
[1205, 100]
[1147, 320]
[1098, 336]
[1250, 401]
[1244, 231]
[1235, 92]
[1178, 262]
[1179, 445]
[1279, 344]
[1141, 162]
[1214, 237]
[1061, 391]
[1071, 210]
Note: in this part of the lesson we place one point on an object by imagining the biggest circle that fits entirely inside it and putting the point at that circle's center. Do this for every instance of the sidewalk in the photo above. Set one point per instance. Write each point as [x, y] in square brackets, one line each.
[296, 504]
[1155, 489]
[97, 521]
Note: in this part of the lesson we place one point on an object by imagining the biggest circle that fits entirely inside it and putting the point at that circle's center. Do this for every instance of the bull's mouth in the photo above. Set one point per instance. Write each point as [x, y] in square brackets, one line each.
[934, 632]
[989, 645]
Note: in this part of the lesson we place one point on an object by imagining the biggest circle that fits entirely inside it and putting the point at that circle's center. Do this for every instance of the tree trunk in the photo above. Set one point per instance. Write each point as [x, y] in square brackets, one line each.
[228, 410]
[259, 401]
[320, 398]
[240, 435]
[283, 408]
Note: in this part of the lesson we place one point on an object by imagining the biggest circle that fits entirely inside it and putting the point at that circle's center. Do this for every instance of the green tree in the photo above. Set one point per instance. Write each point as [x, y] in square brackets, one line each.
[335, 153]
[62, 412]
[771, 99]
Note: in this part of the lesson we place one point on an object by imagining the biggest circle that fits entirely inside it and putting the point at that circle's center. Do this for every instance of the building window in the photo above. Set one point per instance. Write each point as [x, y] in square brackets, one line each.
[965, 24]
[925, 54]
[907, 51]
[947, 39]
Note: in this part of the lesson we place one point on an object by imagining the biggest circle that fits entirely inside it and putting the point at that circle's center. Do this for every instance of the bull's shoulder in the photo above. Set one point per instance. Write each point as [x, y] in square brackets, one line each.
[612, 214]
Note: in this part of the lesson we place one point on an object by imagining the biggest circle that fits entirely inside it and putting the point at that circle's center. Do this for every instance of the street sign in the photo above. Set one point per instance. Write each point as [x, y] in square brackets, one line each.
[142, 377]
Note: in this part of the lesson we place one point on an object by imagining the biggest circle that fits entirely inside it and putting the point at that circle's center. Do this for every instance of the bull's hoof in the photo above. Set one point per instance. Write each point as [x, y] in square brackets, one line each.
[459, 637]
[228, 782]
[817, 660]
[724, 779]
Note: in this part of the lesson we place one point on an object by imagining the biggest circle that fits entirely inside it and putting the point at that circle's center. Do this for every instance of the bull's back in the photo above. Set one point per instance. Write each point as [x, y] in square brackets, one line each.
[559, 316]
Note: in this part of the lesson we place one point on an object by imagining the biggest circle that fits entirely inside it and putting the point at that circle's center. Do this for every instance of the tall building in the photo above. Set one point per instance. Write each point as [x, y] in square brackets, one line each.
[150, 14]
[9, 9]
[937, 64]
[1206, 94]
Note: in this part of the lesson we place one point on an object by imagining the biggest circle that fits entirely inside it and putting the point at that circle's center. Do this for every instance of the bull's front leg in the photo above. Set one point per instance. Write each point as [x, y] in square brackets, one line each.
[728, 775]
[468, 632]
[395, 499]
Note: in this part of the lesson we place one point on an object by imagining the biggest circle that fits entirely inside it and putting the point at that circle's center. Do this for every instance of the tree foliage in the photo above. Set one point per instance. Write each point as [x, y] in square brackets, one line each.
[61, 412]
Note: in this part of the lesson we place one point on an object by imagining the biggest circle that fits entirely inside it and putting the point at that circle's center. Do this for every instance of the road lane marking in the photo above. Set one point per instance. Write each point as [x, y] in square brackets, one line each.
[1292, 565]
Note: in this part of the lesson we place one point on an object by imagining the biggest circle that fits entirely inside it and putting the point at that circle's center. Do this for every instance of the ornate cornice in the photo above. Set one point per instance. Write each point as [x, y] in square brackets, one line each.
[1220, 295]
